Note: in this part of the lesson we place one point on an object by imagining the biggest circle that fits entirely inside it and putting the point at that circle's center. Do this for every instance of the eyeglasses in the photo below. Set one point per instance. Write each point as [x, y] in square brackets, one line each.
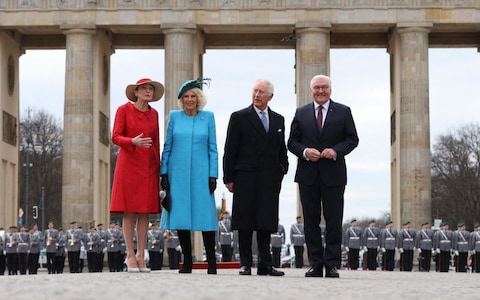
[323, 87]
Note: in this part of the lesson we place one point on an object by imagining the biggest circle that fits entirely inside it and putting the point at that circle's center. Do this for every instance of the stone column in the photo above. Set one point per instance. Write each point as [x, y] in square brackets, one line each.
[10, 52]
[312, 57]
[410, 142]
[78, 145]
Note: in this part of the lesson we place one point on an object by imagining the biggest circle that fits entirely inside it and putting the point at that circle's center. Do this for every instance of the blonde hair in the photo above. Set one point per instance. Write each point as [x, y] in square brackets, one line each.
[202, 99]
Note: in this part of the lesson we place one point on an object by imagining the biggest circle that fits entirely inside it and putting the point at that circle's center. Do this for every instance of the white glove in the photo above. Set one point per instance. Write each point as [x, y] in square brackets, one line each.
[347, 249]
[5, 252]
[104, 250]
[419, 250]
[178, 248]
[456, 253]
[400, 250]
[365, 249]
[434, 252]
[384, 250]
[438, 250]
[473, 252]
[161, 250]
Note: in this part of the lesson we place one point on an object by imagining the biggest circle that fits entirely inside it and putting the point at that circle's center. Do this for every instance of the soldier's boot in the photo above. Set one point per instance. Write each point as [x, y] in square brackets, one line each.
[186, 244]
[209, 242]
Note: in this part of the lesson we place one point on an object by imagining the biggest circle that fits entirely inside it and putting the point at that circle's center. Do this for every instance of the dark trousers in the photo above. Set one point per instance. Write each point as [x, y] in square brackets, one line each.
[173, 258]
[33, 263]
[59, 263]
[299, 256]
[22, 263]
[461, 262]
[245, 248]
[100, 258]
[406, 260]
[114, 260]
[227, 253]
[425, 260]
[315, 199]
[2, 263]
[276, 253]
[353, 258]
[476, 263]
[51, 262]
[74, 261]
[389, 260]
[92, 261]
[12, 263]
[443, 261]
[372, 259]
[156, 260]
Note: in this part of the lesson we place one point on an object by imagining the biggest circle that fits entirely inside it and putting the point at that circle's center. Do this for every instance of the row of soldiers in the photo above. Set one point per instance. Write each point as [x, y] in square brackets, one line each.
[20, 250]
[444, 245]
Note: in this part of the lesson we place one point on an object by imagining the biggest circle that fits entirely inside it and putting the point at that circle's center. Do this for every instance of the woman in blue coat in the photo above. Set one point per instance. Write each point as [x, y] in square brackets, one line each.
[189, 173]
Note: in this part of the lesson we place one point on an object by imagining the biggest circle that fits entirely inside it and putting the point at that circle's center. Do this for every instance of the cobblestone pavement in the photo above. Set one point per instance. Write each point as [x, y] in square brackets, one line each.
[227, 284]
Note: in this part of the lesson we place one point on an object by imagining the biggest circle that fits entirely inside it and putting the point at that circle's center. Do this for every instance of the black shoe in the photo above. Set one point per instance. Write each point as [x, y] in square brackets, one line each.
[212, 271]
[331, 272]
[185, 270]
[245, 271]
[271, 272]
[314, 272]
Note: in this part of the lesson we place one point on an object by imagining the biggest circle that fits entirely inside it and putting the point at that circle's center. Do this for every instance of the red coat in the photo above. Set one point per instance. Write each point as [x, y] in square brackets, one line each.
[136, 179]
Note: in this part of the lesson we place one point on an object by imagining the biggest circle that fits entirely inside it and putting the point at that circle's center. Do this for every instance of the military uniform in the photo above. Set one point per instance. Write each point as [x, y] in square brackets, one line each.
[352, 241]
[23, 245]
[74, 237]
[475, 248]
[155, 246]
[461, 247]
[173, 249]
[36, 242]
[51, 243]
[277, 240]
[424, 245]
[442, 242]
[2, 254]
[92, 240]
[103, 247]
[114, 241]
[297, 238]
[388, 244]
[10, 247]
[371, 244]
[406, 243]
[225, 237]
[60, 254]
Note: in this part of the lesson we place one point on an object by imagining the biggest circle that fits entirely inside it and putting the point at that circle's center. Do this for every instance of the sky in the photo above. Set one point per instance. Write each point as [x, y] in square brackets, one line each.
[360, 79]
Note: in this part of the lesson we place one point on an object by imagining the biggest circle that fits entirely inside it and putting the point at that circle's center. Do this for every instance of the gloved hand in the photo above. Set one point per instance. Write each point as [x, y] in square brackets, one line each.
[347, 249]
[165, 184]
[438, 250]
[419, 250]
[365, 249]
[434, 252]
[473, 252]
[400, 250]
[212, 184]
[383, 250]
[165, 199]
[456, 253]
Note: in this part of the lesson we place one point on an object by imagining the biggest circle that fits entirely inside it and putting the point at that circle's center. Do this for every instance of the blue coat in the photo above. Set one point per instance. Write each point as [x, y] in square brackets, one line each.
[189, 158]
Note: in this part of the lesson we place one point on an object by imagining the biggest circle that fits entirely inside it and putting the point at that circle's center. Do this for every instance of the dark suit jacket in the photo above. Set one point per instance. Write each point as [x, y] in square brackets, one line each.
[255, 162]
[338, 132]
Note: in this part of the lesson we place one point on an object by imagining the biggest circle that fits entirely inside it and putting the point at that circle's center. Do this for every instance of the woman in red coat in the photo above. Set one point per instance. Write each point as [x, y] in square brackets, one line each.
[136, 180]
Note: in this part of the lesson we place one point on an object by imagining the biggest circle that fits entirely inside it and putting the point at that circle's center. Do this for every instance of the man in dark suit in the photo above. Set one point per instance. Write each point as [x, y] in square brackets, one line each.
[254, 163]
[322, 134]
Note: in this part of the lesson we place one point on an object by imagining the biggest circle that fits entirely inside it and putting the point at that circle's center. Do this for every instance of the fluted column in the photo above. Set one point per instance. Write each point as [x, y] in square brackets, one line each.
[411, 165]
[78, 145]
[312, 57]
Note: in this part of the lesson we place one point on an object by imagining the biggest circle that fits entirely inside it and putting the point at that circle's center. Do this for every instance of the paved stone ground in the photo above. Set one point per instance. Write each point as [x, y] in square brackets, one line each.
[228, 285]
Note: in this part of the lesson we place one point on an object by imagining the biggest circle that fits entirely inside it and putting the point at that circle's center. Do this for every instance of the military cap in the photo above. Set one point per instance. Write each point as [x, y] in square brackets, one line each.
[12, 226]
[99, 224]
[353, 220]
[91, 226]
[460, 224]
[476, 225]
[73, 222]
[60, 228]
[388, 222]
[406, 222]
[425, 223]
[299, 217]
[371, 221]
[443, 223]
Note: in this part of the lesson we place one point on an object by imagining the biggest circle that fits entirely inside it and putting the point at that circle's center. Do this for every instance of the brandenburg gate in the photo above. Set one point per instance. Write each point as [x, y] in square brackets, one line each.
[91, 30]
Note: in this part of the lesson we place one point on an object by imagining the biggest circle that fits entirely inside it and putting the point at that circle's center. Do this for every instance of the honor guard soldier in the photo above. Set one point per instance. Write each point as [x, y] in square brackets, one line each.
[22, 249]
[406, 243]
[442, 242]
[74, 237]
[225, 237]
[103, 246]
[10, 248]
[424, 245]
[353, 243]
[277, 240]
[2, 252]
[61, 251]
[114, 239]
[92, 240]
[51, 242]
[297, 238]
[371, 244]
[36, 242]
[461, 247]
[388, 244]
[155, 246]
[475, 248]
[173, 249]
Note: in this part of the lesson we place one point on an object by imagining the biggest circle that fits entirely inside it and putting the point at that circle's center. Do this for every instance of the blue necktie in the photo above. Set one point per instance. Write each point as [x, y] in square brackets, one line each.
[263, 117]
